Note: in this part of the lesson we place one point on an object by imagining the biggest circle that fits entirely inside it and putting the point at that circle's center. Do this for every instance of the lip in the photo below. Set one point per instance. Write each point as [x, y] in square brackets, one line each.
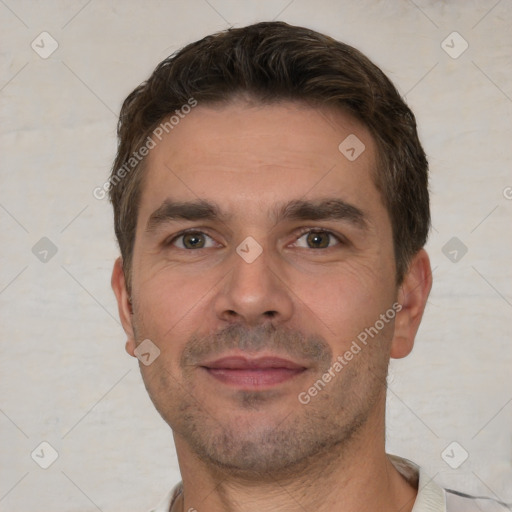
[253, 373]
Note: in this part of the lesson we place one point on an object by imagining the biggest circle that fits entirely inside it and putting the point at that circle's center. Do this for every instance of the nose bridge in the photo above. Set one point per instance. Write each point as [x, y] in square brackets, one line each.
[251, 270]
[253, 291]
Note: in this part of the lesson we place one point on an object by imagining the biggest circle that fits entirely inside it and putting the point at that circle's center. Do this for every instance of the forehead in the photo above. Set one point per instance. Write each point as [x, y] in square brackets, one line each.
[246, 156]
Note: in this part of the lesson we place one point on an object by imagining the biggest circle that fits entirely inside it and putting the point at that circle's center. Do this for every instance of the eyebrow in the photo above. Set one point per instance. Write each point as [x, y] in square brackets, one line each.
[320, 209]
[323, 209]
[190, 210]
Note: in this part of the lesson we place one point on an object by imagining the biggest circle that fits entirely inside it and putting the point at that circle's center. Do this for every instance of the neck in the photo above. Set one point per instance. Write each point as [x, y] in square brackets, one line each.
[357, 476]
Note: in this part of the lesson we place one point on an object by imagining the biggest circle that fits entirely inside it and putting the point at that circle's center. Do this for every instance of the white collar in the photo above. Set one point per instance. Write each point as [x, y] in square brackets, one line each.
[430, 497]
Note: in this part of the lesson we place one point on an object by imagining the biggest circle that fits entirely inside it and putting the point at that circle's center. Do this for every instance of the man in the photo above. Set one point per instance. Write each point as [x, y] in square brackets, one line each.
[271, 205]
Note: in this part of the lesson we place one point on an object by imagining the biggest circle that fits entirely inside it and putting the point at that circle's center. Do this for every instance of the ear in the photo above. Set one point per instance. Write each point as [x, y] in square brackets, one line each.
[412, 296]
[124, 306]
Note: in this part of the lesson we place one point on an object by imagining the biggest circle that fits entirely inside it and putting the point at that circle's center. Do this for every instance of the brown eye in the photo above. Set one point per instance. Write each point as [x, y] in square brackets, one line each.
[193, 240]
[317, 240]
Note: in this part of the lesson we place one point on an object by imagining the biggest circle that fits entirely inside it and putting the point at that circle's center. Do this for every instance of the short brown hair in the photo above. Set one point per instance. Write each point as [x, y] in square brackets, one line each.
[273, 61]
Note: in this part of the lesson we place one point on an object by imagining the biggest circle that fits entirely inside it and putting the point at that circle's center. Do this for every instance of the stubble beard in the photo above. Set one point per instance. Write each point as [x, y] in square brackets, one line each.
[289, 442]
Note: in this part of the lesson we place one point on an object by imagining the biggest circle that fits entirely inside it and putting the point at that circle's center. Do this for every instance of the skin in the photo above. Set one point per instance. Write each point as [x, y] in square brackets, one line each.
[303, 298]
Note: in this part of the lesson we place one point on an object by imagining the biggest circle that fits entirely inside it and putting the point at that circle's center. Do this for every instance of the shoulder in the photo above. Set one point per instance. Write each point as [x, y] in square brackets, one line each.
[167, 503]
[460, 502]
[433, 497]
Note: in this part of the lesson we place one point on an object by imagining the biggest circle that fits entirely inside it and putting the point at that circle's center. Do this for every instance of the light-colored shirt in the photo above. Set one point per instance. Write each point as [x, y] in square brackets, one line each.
[430, 498]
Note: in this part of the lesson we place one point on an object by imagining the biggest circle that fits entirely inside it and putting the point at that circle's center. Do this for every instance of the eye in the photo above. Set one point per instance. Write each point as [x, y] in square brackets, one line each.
[317, 239]
[192, 240]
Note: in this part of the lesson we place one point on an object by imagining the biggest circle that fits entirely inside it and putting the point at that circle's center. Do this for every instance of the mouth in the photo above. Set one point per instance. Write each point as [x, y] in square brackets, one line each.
[253, 373]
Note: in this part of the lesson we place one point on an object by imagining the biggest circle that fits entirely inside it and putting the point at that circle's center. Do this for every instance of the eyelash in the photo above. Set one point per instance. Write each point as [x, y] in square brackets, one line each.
[341, 240]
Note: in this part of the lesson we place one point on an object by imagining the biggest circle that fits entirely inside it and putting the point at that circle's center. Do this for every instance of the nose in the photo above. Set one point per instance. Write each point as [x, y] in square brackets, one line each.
[254, 292]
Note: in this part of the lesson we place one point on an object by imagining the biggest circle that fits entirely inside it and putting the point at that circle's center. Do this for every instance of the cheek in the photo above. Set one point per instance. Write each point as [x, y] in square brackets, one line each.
[168, 296]
[345, 300]
[172, 305]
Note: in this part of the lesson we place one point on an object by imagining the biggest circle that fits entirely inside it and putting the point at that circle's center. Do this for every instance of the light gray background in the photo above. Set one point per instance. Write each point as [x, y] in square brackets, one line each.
[65, 376]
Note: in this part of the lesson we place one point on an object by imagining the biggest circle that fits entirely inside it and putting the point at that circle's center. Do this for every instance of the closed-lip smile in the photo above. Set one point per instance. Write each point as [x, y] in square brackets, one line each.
[253, 373]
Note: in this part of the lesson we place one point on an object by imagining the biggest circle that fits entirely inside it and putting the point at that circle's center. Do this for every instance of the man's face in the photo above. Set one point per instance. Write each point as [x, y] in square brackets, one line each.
[256, 302]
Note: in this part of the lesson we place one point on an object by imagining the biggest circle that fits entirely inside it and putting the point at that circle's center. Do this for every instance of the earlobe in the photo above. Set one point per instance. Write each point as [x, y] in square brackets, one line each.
[124, 306]
[130, 347]
[412, 297]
